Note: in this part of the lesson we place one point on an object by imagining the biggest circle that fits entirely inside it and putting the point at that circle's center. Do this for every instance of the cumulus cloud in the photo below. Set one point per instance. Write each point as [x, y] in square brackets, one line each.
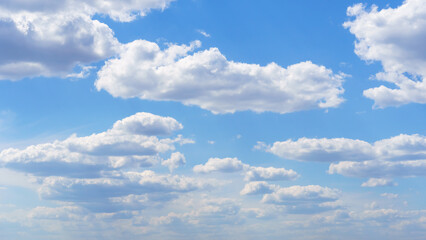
[401, 147]
[229, 165]
[304, 199]
[123, 145]
[176, 159]
[321, 150]
[378, 182]
[399, 156]
[122, 185]
[220, 165]
[208, 80]
[270, 173]
[297, 193]
[379, 169]
[147, 124]
[395, 37]
[255, 188]
[55, 37]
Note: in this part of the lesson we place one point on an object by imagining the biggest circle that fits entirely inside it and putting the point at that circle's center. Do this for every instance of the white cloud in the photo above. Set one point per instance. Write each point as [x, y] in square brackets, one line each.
[123, 145]
[147, 124]
[229, 165]
[270, 173]
[401, 147]
[303, 199]
[378, 182]
[399, 156]
[176, 159]
[58, 213]
[208, 80]
[100, 194]
[395, 37]
[254, 188]
[321, 150]
[379, 169]
[389, 195]
[54, 37]
[202, 32]
[312, 193]
[220, 165]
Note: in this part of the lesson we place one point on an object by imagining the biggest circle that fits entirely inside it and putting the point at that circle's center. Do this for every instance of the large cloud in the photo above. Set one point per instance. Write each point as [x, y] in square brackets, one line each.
[207, 79]
[128, 144]
[395, 37]
[53, 37]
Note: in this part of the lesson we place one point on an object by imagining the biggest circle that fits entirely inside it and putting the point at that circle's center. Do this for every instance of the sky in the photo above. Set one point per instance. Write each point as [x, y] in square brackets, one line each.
[225, 119]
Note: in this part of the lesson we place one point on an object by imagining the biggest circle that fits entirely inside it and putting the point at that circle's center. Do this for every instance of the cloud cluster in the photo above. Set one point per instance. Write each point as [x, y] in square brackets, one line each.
[102, 172]
[208, 80]
[115, 193]
[399, 156]
[53, 38]
[395, 37]
[303, 199]
[129, 143]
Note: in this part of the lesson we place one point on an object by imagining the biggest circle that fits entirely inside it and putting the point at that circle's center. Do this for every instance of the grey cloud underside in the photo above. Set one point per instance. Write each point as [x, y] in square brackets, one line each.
[45, 38]
[119, 192]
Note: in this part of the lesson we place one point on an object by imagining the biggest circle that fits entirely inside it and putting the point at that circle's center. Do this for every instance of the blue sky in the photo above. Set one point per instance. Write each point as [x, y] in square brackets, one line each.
[196, 119]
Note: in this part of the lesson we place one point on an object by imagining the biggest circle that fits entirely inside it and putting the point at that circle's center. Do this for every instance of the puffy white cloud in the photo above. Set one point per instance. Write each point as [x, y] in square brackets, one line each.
[322, 150]
[399, 156]
[379, 169]
[294, 194]
[395, 37]
[378, 182]
[147, 124]
[53, 38]
[207, 79]
[303, 199]
[121, 146]
[254, 188]
[220, 165]
[229, 165]
[176, 159]
[270, 173]
[401, 147]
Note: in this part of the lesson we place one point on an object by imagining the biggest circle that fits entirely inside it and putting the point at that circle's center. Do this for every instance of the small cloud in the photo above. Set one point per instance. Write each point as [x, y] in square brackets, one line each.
[85, 72]
[210, 142]
[389, 195]
[239, 136]
[378, 182]
[202, 32]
